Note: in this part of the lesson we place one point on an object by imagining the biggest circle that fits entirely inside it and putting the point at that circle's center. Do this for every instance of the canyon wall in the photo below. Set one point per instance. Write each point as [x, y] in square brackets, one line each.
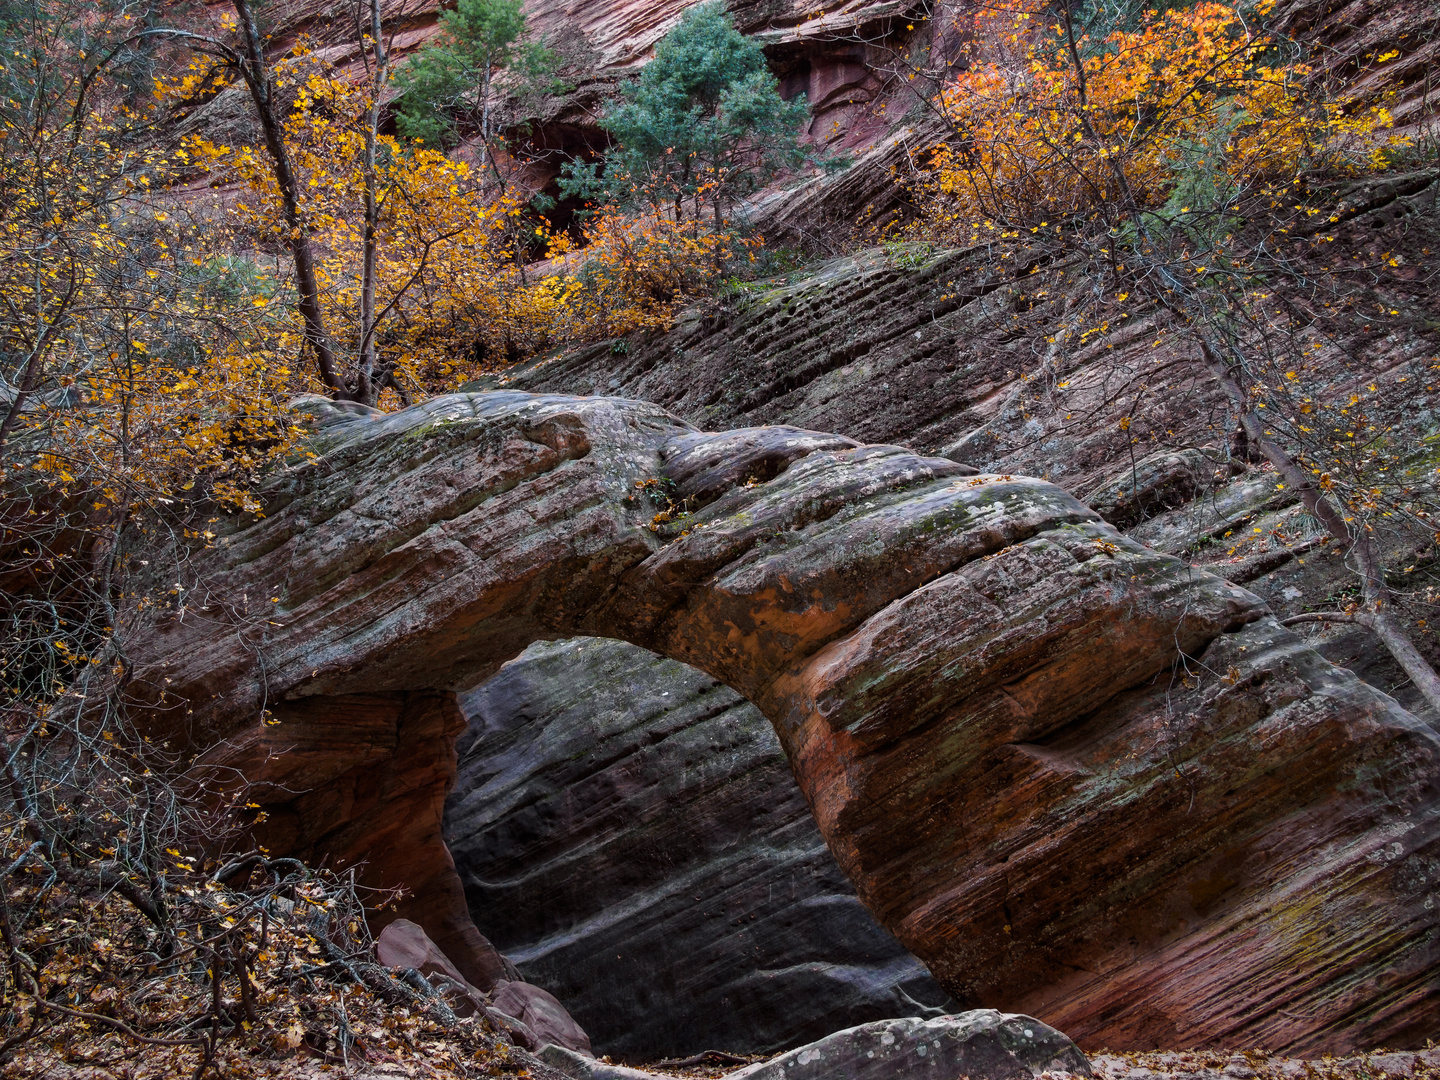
[1122, 935]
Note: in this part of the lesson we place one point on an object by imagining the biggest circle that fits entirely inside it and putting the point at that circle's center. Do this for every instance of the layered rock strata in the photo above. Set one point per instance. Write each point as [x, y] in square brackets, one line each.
[1076, 777]
[629, 833]
[957, 353]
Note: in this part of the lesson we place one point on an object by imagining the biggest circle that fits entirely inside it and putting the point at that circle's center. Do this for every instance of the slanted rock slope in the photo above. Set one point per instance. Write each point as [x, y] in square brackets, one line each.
[959, 354]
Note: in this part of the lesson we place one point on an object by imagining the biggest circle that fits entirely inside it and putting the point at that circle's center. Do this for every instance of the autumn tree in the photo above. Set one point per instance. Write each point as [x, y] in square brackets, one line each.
[1181, 159]
[397, 251]
[125, 351]
[412, 258]
[140, 381]
[146, 366]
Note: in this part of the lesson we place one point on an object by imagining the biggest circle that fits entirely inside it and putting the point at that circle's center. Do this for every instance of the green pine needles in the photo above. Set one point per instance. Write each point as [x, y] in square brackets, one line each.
[455, 76]
[703, 126]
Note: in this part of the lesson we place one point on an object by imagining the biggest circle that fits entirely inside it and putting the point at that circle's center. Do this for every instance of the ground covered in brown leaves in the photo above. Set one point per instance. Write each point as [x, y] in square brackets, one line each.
[1260, 1065]
[275, 982]
[264, 969]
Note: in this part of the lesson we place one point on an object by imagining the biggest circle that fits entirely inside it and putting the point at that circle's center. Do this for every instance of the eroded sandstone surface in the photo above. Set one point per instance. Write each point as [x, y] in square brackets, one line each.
[957, 354]
[1078, 778]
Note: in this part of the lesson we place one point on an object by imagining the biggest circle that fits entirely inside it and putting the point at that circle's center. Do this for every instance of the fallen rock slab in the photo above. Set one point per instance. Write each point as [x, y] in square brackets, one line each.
[532, 1016]
[541, 1013]
[982, 1044]
[404, 944]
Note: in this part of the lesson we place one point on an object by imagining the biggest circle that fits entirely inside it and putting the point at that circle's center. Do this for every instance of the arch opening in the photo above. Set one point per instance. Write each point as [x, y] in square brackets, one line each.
[628, 832]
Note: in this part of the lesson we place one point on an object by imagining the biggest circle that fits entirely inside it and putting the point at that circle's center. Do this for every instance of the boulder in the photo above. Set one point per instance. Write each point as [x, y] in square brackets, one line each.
[533, 1017]
[628, 830]
[541, 1013]
[981, 1044]
[404, 944]
[1076, 777]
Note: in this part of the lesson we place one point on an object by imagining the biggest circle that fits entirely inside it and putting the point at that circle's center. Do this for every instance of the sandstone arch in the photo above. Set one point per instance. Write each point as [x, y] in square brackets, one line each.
[1075, 777]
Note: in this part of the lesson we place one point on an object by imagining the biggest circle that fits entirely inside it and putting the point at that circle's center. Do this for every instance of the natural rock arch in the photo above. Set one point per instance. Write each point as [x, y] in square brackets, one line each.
[1077, 778]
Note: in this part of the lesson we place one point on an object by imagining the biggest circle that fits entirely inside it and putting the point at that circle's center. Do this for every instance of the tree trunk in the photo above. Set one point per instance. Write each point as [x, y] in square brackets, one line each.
[485, 103]
[485, 81]
[366, 390]
[257, 80]
[29, 379]
[1378, 603]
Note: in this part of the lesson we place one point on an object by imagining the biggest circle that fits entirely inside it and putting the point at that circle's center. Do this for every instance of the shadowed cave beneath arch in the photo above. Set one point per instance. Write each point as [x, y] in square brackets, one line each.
[629, 834]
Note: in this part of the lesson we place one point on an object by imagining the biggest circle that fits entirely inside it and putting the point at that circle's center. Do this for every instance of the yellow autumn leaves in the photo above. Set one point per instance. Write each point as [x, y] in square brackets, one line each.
[1051, 124]
[457, 279]
[136, 370]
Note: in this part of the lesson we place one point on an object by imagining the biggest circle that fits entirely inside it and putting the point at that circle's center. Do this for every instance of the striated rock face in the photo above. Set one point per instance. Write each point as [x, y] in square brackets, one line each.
[1344, 38]
[1076, 777]
[938, 349]
[630, 835]
[954, 354]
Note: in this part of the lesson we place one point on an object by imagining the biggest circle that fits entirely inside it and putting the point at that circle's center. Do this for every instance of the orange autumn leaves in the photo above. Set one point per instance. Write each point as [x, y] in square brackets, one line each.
[1050, 123]
[454, 247]
[637, 269]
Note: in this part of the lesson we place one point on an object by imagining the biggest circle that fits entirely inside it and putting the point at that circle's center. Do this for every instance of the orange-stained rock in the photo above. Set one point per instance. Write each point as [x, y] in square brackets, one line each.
[363, 778]
[1078, 778]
